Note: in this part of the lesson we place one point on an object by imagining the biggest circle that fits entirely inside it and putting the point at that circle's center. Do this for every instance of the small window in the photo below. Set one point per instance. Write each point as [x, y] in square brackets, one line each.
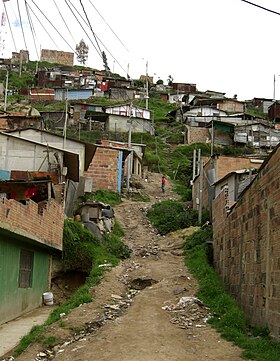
[25, 269]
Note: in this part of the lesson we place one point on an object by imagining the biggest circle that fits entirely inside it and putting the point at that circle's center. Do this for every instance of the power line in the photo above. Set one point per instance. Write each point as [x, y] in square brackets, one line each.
[99, 53]
[10, 26]
[21, 25]
[42, 26]
[77, 11]
[81, 24]
[108, 25]
[54, 27]
[90, 26]
[64, 21]
[261, 7]
[31, 28]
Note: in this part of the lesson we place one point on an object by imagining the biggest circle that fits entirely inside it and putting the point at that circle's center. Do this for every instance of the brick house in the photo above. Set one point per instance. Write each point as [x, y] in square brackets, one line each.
[274, 113]
[235, 182]
[231, 105]
[197, 135]
[29, 235]
[108, 167]
[215, 168]
[223, 133]
[41, 94]
[55, 56]
[184, 87]
[246, 245]
[19, 120]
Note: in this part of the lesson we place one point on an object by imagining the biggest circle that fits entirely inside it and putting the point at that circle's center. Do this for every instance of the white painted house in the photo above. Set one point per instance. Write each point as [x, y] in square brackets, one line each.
[120, 117]
[84, 151]
[26, 155]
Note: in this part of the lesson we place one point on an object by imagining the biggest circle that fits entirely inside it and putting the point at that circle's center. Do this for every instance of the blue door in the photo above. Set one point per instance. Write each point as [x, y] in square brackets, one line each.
[120, 171]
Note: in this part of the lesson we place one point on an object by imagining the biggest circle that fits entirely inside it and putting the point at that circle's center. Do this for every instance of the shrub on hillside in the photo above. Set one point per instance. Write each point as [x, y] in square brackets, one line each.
[82, 250]
[104, 196]
[201, 236]
[168, 216]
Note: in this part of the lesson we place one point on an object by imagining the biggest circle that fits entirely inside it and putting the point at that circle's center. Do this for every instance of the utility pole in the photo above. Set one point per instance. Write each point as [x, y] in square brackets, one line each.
[66, 119]
[128, 170]
[193, 173]
[6, 91]
[147, 87]
[20, 63]
[200, 187]
[212, 137]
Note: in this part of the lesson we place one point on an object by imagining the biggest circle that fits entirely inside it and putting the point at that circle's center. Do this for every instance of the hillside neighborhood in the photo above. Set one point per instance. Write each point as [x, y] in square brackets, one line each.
[69, 132]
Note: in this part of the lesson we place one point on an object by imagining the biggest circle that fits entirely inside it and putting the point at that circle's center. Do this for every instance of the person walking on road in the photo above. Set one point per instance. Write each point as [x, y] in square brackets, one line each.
[163, 182]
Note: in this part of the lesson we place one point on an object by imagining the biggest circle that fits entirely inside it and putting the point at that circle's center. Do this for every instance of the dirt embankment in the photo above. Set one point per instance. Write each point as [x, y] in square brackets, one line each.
[144, 309]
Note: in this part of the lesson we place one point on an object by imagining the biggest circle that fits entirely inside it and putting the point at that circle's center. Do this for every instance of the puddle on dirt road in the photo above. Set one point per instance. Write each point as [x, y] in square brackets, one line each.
[141, 284]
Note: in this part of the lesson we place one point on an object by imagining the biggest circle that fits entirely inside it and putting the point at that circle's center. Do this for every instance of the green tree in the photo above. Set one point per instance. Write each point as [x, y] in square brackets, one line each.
[82, 52]
[105, 61]
[170, 80]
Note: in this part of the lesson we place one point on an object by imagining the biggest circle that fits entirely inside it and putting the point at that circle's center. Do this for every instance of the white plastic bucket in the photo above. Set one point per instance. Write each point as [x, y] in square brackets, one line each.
[48, 298]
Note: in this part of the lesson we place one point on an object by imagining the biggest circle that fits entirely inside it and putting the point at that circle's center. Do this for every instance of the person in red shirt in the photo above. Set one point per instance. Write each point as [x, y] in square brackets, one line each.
[163, 182]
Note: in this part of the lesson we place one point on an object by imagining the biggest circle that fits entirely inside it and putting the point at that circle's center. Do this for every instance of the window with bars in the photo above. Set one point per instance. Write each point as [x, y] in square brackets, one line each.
[25, 269]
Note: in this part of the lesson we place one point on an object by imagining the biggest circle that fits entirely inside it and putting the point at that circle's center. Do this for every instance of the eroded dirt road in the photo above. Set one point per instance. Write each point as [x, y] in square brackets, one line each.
[145, 309]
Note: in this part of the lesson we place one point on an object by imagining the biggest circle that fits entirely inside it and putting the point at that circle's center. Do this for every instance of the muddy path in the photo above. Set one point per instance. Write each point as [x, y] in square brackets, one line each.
[145, 308]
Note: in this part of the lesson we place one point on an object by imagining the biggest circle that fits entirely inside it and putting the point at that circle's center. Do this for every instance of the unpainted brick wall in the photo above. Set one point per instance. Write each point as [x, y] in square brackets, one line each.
[226, 165]
[198, 135]
[45, 226]
[104, 169]
[223, 165]
[247, 247]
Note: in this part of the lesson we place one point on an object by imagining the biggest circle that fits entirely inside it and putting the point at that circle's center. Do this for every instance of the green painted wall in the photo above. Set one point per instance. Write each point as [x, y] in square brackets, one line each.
[15, 301]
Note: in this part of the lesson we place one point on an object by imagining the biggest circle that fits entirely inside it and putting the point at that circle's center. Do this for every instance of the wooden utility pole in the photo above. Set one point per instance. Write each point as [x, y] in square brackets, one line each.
[200, 189]
[212, 137]
[147, 87]
[66, 119]
[6, 91]
[193, 173]
[128, 170]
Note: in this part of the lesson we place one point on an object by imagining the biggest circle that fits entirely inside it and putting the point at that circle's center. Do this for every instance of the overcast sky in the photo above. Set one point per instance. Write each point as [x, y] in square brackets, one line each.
[222, 45]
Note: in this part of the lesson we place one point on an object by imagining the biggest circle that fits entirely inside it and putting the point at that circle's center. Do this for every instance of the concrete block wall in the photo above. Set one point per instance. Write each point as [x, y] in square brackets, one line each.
[247, 247]
[42, 225]
[104, 169]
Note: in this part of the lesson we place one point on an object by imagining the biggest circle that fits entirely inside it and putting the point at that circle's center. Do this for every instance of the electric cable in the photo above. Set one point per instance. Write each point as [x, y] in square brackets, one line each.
[43, 26]
[10, 26]
[77, 11]
[54, 27]
[90, 26]
[21, 25]
[82, 26]
[108, 26]
[31, 28]
[261, 7]
[65, 23]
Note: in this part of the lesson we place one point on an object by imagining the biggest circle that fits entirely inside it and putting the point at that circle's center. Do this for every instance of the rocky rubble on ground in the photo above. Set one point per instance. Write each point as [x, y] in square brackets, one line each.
[188, 312]
[110, 312]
